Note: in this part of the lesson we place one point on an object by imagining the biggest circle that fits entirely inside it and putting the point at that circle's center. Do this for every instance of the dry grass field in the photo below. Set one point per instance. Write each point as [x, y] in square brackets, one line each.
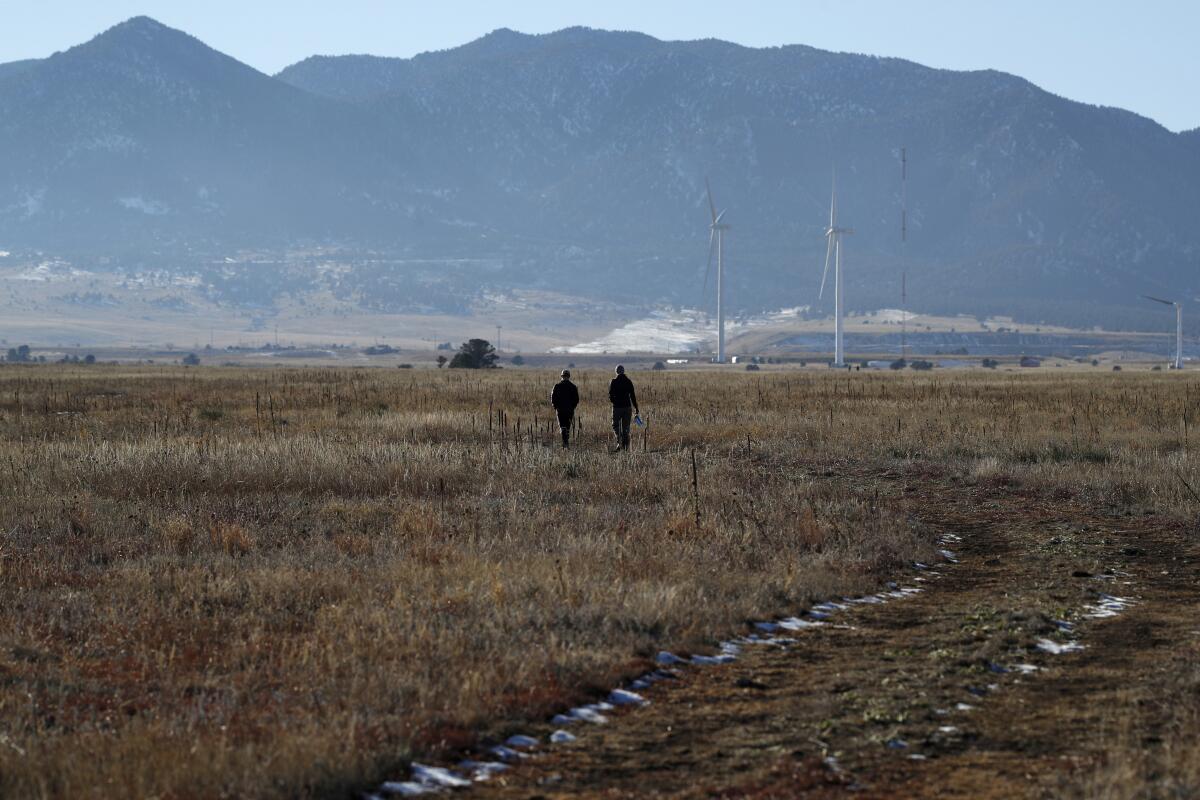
[278, 583]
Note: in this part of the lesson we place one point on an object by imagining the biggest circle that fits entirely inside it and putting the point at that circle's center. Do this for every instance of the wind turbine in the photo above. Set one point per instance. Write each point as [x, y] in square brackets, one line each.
[1178, 328]
[716, 234]
[833, 235]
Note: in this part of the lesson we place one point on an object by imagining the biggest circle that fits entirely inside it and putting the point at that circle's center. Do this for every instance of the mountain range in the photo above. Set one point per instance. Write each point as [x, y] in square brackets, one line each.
[578, 159]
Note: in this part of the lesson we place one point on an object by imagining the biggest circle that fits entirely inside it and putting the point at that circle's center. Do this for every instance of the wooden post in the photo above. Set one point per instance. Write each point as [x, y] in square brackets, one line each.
[695, 489]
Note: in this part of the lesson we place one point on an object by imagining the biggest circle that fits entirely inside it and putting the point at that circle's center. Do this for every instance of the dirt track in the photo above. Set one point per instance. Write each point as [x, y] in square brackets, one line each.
[827, 714]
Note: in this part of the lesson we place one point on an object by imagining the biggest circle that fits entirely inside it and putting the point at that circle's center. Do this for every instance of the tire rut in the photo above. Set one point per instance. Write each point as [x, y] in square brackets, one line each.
[916, 697]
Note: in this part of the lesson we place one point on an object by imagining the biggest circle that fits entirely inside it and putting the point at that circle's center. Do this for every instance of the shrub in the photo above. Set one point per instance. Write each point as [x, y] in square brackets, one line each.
[990, 363]
[921, 365]
[190, 360]
[659, 365]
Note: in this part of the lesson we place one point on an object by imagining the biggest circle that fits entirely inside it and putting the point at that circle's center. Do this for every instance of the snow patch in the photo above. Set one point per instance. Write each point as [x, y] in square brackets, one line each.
[621, 697]
[521, 740]
[481, 770]
[1107, 606]
[1058, 648]
[438, 777]
[405, 788]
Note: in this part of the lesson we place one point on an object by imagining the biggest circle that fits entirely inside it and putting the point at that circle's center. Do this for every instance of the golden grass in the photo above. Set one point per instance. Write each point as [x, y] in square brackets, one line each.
[1152, 738]
[262, 583]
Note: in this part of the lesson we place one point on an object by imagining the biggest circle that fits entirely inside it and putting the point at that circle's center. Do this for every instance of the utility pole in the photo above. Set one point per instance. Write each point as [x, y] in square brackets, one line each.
[497, 338]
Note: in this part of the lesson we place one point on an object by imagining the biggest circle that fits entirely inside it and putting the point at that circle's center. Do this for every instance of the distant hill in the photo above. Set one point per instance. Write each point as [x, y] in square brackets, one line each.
[145, 137]
[15, 67]
[578, 159]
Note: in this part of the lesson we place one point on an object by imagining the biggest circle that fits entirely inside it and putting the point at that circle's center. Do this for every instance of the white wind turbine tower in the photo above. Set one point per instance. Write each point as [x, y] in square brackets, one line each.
[717, 234]
[833, 235]
[1178, 328]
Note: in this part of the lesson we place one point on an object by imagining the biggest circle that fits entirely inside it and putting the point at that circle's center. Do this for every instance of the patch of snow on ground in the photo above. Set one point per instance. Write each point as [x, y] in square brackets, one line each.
[661, 332]
[521, 740]
[438, 776]
[403, 788]
[1058, 648]
[891, 315]
[482, 770]
[621, 697]
[668, 331]
[1107, 606]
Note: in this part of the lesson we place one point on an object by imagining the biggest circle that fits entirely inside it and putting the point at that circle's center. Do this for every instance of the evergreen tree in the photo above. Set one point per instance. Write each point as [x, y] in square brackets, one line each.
[475, 354]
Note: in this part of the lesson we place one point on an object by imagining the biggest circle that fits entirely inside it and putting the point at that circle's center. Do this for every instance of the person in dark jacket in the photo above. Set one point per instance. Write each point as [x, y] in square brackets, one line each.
[565, 398]
[624, 403]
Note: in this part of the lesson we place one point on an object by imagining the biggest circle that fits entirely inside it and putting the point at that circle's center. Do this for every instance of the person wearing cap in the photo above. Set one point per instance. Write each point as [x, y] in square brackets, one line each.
[624, 403]
[565, 398]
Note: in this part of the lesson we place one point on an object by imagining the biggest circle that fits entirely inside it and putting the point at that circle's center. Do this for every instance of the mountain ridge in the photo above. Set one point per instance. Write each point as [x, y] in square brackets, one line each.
[577, 159]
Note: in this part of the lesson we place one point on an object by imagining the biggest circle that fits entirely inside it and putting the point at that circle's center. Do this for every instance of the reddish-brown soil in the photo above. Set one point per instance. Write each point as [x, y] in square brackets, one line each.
[824, 716]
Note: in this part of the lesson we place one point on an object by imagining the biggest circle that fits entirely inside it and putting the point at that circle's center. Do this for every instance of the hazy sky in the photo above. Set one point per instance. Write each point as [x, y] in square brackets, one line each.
[1144, 56]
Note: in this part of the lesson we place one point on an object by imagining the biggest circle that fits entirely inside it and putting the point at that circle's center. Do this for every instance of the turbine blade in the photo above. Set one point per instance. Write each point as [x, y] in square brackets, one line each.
[711, 205]
[828, 253]
[833, 203]
[1159, 300]
[712, 236]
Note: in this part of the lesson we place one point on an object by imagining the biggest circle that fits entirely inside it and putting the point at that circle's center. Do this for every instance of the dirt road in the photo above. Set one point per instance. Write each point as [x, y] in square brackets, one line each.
[947, 693]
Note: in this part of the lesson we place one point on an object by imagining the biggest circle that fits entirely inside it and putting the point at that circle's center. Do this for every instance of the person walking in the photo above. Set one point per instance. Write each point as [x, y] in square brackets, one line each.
[565, 398]
[624, 403]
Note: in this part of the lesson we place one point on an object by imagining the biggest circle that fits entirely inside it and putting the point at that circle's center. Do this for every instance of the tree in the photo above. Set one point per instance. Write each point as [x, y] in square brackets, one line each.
[518, 360]
[19, 354]
[441, 361]
[475, 354]
[89, 359]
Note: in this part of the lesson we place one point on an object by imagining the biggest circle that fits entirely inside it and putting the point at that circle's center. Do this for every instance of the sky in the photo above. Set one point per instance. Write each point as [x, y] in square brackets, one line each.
[1143, 56]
